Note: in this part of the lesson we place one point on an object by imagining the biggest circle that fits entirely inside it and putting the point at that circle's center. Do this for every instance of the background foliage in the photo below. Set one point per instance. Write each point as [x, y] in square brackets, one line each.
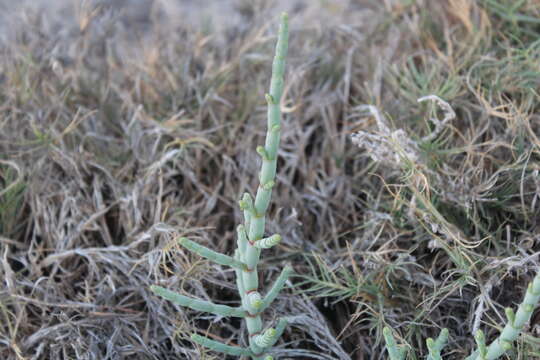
[123, 127]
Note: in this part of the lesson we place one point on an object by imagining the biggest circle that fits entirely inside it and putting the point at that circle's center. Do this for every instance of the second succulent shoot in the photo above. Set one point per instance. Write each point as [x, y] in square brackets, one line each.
[250, 239]
[511, 331]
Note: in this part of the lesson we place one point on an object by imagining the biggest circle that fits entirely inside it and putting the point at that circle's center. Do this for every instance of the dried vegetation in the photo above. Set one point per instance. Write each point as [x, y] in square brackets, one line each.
[120, 131]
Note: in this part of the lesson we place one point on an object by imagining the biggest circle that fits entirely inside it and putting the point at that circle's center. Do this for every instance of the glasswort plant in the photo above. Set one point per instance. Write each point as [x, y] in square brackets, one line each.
[382, 148]
[512, 329]
[250, 238]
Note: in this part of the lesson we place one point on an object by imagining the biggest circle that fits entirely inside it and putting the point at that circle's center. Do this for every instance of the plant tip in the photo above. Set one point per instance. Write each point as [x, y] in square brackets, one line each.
[182, 240]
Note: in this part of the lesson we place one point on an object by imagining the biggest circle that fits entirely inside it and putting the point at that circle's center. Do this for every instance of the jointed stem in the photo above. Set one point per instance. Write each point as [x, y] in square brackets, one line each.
[278, 285]
[255, 213]
[217, 346]
[250, 237]
[514, 325]
[197, 304]
[205, 252]
[511, 331]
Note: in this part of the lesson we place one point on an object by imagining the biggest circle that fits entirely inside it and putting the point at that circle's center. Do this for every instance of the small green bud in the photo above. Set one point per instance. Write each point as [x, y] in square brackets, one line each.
[505, 345]
[268, 242]
[510, 315]
[269, 99]
[269, 185]
[262, 151]
[266, 339]
[246, 202]
[254, 299]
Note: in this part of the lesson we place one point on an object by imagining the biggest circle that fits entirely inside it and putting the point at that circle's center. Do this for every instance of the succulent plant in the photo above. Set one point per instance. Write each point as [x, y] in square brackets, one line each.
[512, 329]
[250, 240]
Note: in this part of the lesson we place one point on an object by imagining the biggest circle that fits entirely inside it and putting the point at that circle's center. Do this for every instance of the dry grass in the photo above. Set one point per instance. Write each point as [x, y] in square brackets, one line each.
[115, 138]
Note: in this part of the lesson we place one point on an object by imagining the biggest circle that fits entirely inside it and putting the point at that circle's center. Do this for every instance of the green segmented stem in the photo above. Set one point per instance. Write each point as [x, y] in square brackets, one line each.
[434, 354]
[515, 323]
[254, 215]
[255, 300]
[265, 339]
[246, 204]
[481, 343]
[197, 304]
[513, 326]
[238, 272]
[241, 238]
[268, 242]
[269, 157]
[205, 252]
[280, 327]
[435, 346]
[251, 256]
[217, 346]
[250, 239]
[396, 352]
[276, 288]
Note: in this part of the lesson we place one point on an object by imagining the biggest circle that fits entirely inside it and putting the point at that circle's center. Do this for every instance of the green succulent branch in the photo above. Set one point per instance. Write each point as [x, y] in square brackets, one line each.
[435, 346]
[197, 304]
[250, 240]
[395, 351]
[276, 288]
[211, 254]
[223, 348]
[513, 327]
[511, 331]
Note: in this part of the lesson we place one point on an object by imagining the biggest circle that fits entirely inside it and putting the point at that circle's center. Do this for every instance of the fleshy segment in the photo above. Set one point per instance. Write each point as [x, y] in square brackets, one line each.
[514, 326]
[250, 239]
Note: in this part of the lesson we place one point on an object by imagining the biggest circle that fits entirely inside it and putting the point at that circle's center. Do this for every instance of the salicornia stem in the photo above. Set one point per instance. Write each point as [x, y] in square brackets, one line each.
[250, 240]
[255, 213]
